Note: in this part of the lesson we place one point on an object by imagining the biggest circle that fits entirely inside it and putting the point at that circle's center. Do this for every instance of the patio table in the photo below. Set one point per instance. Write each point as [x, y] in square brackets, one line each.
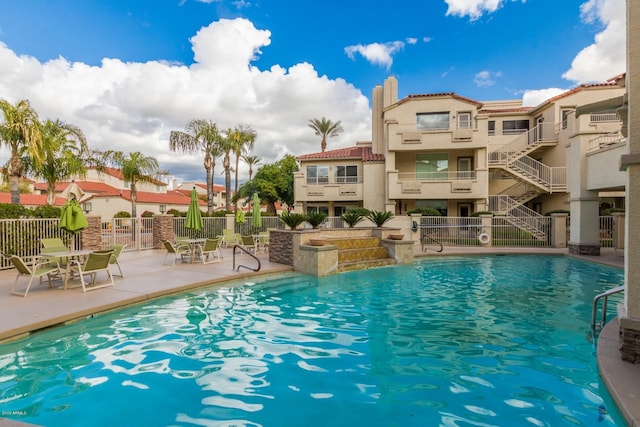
[70, 255]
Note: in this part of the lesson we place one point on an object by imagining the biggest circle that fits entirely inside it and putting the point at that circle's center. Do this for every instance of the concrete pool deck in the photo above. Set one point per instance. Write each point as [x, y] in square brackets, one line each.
[148, 277]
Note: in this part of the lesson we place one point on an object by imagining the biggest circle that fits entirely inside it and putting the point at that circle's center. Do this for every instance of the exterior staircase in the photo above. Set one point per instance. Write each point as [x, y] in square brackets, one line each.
[534, 178]
[356, 253]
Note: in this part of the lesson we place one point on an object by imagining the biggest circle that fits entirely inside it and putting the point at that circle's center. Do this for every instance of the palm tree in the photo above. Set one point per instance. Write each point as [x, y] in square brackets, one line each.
[135, 168]
[325, 127]
[243, 137]
[251, 161]
[200, 136]
[65, 155]
[20, 132]
[226, 146]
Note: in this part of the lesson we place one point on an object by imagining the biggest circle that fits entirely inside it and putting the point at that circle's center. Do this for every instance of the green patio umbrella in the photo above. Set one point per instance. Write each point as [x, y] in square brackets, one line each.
[239, 216]
[72, 218]
[194, 216]
[256, 219]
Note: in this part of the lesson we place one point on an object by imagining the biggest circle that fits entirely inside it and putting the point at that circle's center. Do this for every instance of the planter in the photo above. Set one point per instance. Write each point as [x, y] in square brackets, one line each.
[396, 236]
[317, 242]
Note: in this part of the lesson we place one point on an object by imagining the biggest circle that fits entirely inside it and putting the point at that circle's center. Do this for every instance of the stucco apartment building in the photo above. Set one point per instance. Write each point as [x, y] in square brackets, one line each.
[461, 156]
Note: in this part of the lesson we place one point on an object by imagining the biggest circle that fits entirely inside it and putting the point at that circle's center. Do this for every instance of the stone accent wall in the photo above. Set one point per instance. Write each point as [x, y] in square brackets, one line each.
[162, 230]
[578, 249]
[281, 247]
[630, 345]
[91, 237]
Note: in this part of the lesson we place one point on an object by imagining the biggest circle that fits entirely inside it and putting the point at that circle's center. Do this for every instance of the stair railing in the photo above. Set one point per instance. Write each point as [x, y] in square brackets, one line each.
[248, 253]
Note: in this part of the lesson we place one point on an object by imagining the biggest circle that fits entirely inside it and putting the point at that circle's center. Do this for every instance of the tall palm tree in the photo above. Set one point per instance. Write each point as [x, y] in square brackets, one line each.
[242, 137]
[251, 161]
[200, 136]
[226, 146]
[135, 168]
[65, 155]
[20, 132]
[325, 127]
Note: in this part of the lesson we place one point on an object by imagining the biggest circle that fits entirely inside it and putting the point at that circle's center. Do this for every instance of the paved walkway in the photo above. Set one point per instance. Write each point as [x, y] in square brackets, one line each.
[147, 276]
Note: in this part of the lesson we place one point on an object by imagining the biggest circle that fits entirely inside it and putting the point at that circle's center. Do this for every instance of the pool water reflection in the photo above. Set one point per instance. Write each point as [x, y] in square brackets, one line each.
[495, 340]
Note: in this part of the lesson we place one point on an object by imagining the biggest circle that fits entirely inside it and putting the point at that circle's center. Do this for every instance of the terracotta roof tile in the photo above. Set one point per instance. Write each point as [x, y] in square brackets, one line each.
[31, 199]
[361, 153]
[440, 95]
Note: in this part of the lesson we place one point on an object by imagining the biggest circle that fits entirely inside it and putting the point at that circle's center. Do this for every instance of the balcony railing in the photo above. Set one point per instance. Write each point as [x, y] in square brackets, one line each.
[325, 180]
[606, 140]
[436, 176]
[604, 117]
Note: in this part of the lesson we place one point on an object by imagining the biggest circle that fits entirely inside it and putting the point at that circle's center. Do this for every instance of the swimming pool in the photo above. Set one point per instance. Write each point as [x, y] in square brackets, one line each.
[486, 340]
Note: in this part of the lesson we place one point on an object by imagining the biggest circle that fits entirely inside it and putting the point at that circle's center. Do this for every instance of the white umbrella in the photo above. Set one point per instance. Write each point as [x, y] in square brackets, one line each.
[73, 191]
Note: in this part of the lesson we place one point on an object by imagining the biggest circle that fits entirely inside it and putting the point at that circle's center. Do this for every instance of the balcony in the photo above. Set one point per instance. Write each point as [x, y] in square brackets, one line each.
[411, 137]
[318, 189]
[438, 185]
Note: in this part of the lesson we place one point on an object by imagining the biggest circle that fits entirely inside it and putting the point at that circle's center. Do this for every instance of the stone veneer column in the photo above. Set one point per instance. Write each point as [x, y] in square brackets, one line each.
[91, 237]
[629, 314]
[162, 230]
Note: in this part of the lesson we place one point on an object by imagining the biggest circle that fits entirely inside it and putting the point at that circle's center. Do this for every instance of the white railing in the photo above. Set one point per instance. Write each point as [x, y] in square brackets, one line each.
[606, 140]
[324, 180]
[523, 143]
[604, 117]
[518, 214]
[552, 178]
[135, 233]
[436, 176]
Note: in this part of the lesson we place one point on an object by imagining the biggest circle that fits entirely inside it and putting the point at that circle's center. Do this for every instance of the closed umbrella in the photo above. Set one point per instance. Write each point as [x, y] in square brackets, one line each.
[239, 216]
[194, 216]
[256, 219]
[72, 219]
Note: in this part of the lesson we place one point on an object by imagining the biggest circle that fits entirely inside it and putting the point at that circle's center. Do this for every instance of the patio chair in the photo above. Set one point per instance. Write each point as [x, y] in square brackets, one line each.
[93, 264]
[211, 248]
[117, 250]
[249, 243]
[227, 238]
[181, 251]
[54, 244]
[264, 241]
[33, 267]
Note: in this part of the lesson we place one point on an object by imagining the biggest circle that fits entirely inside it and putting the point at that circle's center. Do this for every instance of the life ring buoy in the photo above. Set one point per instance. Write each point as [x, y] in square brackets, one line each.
[484, 238]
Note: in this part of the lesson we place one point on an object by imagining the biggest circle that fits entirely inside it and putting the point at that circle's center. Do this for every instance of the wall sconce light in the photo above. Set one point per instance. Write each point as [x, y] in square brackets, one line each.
[163, 208]
[86, 207]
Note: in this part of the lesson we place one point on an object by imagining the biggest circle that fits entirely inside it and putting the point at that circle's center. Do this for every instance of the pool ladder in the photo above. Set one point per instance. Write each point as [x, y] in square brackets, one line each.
[595, 325]
[248, 253]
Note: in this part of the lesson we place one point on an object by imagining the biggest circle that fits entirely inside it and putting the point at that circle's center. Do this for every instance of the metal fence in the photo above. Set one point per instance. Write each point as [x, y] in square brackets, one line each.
[22, 236]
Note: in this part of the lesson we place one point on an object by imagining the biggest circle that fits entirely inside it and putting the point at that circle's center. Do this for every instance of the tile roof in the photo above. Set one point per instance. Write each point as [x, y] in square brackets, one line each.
[361, 153]
[440, 95]
[31, 199]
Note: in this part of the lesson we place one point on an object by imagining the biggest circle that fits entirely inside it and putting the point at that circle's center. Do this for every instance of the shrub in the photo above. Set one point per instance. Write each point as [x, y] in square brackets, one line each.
[558, 211]
[379, 218]
[425, 211]
[352, 217]
[316, 218]
[122, 214]
[476, 214]
[292, 219]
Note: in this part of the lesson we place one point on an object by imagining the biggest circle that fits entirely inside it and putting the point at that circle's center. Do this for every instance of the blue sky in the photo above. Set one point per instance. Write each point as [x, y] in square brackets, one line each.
[128, 72]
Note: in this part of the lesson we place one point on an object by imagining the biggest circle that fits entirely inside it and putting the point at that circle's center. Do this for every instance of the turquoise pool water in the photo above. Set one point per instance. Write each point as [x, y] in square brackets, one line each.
[474, 341]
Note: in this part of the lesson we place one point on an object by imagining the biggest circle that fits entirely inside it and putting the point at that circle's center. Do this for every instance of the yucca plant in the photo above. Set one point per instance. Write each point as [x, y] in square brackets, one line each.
[379, 218]
[316, 218]
[352, 217]
[292, 219]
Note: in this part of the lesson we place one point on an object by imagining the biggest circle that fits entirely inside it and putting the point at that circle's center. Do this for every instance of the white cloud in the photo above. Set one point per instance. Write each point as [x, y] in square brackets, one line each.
[606, 57]
[486, 78]
[376, 53]
[532, 98]
[133, 106]
[474, 9]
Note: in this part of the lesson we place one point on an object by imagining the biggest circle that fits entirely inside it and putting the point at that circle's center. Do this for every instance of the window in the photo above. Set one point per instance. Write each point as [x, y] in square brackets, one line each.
[492, 127]
[317, 175]
[433, 166]
[433, 121]
[514, 127]
[464, 120]
[465, 168]
[565, 118]
[346, 174]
